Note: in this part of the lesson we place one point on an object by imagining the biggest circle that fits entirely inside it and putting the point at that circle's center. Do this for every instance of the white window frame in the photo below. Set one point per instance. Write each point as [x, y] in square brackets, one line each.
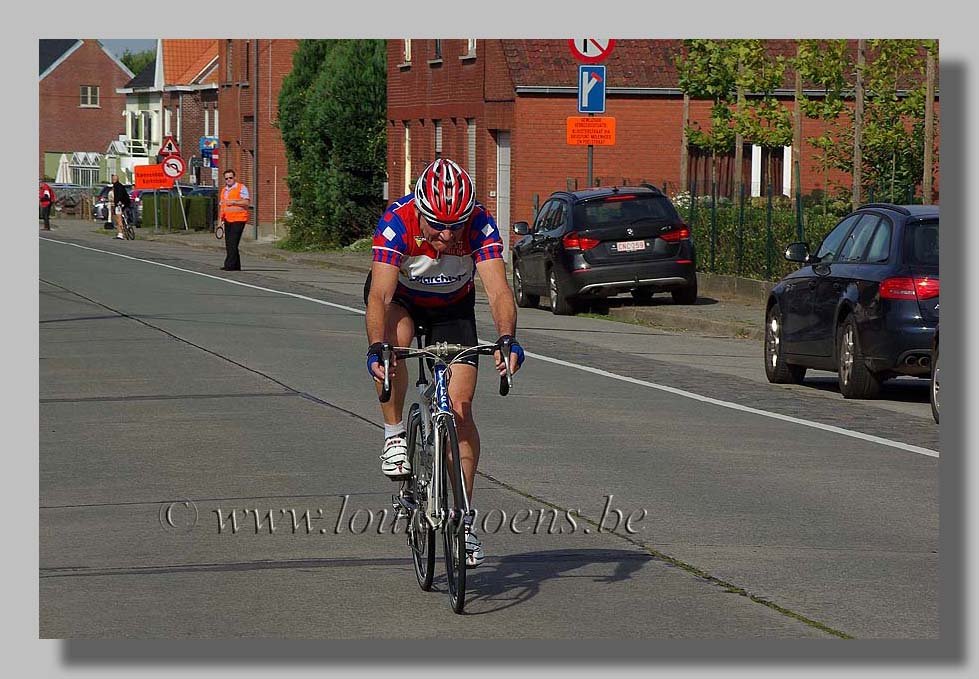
[470, 48]
[438, 138]
[85, 98]
[406, 53]
[407, 159]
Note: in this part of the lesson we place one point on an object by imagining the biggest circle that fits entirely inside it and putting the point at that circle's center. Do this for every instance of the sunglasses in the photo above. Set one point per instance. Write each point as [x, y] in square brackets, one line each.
[446, 227]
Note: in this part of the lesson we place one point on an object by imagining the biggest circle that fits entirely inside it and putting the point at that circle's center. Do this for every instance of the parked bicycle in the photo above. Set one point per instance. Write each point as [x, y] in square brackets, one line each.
[434, 496]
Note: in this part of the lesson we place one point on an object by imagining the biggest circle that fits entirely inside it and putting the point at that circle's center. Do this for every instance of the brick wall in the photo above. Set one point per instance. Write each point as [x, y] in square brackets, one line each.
[238, 123]
[63, 125]
[191, 128]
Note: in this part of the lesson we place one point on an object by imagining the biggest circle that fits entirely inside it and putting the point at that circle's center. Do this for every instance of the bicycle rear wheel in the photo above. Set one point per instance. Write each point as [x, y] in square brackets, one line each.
[453, 527]
[421, 535]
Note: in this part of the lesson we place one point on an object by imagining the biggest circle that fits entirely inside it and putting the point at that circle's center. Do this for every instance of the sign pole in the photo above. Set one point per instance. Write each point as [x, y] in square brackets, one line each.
[591, 157]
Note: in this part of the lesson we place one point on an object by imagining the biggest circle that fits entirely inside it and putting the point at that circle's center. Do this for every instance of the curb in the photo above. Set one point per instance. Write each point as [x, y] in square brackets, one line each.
[681, 321]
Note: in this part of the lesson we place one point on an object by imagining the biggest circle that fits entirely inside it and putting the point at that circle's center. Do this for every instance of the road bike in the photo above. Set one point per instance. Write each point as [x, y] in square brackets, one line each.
[433, 497]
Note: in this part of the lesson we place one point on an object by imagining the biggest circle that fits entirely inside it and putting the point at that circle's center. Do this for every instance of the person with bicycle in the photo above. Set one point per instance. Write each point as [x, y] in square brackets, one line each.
[426, 249]
[120, 200]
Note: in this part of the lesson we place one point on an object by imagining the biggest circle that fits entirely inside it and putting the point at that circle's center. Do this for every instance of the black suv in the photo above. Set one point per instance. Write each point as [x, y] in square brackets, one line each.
[864, 305]
[596, 243]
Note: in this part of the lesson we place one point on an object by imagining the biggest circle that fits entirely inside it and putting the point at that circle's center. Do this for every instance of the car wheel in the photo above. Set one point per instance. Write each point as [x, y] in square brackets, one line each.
[643, 295]
[687, 295]
[776, 369]
[856, 379]
[936, 373]
[560, 306]
[523, 298]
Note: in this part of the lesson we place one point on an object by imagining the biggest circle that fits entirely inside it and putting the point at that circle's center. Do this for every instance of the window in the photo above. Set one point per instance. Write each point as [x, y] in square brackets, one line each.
[880, 246]
[556, 217]
[853, 249]
[438, 139]
[831, 244]
[207, 122]
[244, 64]
[543, 217]
[438, 49]
[89, 95]
[471, 144]
[229, 71]
[922, 243]
[407, 51]
[470, 48]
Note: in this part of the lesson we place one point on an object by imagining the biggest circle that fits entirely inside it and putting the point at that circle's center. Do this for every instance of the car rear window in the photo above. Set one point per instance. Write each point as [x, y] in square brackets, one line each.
[923, 243]
[624, 209]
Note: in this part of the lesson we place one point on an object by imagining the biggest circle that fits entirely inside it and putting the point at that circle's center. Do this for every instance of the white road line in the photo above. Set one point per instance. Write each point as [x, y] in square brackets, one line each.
[556, 361]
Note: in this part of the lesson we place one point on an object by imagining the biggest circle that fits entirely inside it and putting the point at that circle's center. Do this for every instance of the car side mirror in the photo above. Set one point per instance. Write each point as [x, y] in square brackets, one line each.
[521, 228]
[797, 252]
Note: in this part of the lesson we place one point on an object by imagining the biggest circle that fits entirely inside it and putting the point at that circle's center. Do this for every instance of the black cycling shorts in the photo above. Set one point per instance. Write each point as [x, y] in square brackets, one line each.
[455, 324]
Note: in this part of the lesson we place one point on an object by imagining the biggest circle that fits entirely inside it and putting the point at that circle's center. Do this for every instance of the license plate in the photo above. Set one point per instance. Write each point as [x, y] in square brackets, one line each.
[630, 246]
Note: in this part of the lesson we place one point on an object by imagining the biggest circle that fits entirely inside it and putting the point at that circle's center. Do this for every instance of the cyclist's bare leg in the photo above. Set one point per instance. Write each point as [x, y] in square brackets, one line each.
[401, 330]
[118, 220]
[462, 388]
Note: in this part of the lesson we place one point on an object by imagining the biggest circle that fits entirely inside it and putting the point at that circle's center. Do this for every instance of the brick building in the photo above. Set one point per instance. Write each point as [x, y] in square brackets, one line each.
[175, 95]
[499, 107]
[250, 76]
[79, 110]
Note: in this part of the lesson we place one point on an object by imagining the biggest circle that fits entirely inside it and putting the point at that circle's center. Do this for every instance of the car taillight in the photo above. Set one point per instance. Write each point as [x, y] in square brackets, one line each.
[676, 235]
[572, 241]
[905, 287]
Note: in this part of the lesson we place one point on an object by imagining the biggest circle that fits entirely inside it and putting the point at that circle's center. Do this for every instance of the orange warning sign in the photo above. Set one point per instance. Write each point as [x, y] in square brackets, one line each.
[591, 131]
[152, 177]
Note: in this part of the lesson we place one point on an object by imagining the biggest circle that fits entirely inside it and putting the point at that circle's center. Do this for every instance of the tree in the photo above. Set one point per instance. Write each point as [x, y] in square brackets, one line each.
[332, 112]
[739, 76]
[137, 61]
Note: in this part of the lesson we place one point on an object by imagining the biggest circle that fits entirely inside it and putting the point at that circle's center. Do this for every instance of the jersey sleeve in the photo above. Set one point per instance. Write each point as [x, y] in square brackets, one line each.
[390, 240]
[484, 237]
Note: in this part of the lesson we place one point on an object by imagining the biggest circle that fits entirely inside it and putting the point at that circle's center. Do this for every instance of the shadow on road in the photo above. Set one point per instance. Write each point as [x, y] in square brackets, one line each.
[517, 578]
[904, 390]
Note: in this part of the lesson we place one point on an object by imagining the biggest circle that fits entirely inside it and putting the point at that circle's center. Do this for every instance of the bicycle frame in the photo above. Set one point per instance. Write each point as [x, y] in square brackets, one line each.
[435, 406]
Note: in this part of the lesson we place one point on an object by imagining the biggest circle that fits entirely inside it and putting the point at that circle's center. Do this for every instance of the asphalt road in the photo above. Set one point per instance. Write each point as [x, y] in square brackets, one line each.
[176, 404]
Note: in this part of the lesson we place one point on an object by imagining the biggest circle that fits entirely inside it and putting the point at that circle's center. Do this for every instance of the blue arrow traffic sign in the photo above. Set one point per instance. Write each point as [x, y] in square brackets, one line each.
[591, 89]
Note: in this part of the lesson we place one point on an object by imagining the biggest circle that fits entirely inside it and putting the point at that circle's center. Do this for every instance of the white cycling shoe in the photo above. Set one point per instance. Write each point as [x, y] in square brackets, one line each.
[394, 459]
[474, 550]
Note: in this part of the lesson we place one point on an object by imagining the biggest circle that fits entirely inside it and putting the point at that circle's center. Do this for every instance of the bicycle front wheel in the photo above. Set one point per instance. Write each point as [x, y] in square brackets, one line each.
[453, 527]
[421, 535]
[130, 232]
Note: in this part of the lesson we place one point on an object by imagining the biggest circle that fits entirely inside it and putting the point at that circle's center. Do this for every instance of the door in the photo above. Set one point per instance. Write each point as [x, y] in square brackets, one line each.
[532, 255]
[503, 189]
[799, 319]
[842, 278]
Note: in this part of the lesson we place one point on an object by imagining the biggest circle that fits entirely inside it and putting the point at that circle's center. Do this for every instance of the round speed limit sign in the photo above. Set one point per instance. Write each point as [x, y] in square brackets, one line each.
[174, 167]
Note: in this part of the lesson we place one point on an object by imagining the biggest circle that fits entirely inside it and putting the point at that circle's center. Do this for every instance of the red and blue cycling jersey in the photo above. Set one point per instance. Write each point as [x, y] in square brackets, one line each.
[427, 277]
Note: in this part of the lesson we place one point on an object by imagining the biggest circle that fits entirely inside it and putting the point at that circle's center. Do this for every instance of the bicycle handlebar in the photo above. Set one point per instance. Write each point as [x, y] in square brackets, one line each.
[439, 352]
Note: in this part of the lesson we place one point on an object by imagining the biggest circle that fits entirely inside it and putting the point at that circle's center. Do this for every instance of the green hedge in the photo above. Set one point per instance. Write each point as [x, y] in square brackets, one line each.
[201, 212]
[746, 245]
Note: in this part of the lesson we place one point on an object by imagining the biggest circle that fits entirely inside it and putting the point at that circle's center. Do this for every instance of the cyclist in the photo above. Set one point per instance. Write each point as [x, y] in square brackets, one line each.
[120, 201]
[427, 246]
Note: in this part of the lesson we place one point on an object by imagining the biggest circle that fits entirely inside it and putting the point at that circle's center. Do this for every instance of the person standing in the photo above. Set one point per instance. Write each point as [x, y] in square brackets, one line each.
[46, 200]
[234, 215]
[120, 201]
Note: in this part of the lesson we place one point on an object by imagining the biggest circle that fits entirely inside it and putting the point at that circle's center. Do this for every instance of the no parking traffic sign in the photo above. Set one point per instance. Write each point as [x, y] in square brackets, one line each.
[591, 50]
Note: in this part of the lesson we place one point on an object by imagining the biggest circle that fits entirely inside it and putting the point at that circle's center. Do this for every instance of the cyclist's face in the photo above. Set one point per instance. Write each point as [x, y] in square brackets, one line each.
[439, 239]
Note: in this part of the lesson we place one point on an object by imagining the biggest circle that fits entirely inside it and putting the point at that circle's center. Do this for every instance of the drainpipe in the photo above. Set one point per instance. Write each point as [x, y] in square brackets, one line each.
[255, 139]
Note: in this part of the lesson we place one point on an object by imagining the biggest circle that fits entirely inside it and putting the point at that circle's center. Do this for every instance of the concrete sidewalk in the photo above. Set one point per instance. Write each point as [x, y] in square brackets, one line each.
[727, 306]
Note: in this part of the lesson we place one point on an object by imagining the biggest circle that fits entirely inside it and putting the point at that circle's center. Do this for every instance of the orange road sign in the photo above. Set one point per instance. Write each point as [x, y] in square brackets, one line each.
[591, 131]
[152, 177]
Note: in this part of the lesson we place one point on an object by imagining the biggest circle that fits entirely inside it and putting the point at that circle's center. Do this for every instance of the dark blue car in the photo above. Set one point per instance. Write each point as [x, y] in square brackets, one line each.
[864, 305]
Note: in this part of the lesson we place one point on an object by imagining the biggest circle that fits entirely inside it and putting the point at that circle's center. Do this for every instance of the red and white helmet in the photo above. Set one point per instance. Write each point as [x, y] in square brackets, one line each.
[445, 194]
